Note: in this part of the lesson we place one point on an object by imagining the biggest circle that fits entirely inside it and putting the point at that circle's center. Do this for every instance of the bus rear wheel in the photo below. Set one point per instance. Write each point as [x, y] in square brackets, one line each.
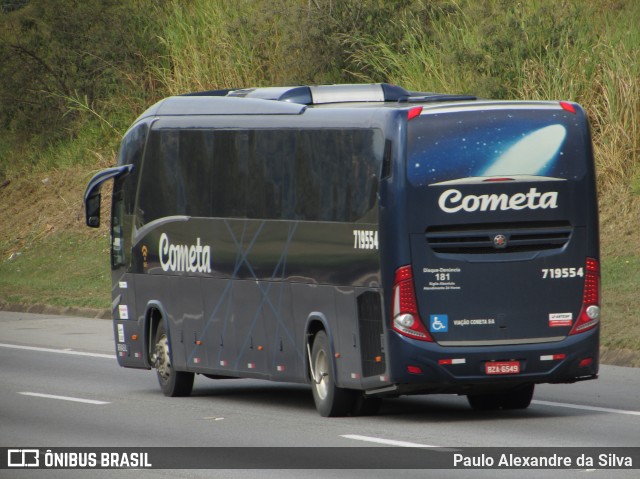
[173, 383]
[330, 400]
[516, 398]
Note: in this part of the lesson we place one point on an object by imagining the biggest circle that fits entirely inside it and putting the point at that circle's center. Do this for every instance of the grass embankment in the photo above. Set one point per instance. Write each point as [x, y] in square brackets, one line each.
[65, 270]
[586, 51]
[48, 256]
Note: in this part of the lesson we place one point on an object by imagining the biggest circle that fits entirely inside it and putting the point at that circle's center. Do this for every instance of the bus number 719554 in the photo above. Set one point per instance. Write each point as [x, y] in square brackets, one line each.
[557, 273]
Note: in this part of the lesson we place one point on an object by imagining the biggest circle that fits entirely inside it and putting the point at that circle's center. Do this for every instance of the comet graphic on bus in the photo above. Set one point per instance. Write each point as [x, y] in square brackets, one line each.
[531, 155]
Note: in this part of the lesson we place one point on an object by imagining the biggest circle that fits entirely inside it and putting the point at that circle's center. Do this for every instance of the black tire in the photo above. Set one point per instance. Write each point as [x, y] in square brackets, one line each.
[330, 400]
[173, 383]
[485, 402]
[364, 406]
[518, 398]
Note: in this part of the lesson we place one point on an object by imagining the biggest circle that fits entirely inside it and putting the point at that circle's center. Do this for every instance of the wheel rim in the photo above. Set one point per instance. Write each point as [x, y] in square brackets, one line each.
[163, 363]
[321, 368]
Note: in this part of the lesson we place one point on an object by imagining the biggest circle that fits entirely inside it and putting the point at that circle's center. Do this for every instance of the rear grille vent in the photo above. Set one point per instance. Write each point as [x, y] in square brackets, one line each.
[499, 238]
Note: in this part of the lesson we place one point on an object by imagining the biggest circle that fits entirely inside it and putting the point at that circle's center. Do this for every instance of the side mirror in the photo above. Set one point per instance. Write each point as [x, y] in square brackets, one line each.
[92, 207]
[92, 193]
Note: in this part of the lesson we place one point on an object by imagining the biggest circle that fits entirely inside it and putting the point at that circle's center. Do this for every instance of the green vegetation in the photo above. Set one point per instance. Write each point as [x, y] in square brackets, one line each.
[74, 75]
[621, 327]
[59, 270]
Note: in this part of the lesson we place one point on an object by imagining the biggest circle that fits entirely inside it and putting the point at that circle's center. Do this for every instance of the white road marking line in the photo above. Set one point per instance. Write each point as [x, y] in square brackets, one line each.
[388, 442]
[60, 351]
[65, 398]
[586, 408]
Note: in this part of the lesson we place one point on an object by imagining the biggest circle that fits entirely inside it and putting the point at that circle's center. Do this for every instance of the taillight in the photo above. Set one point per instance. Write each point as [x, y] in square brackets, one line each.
[406, 319]
[565, 105]
[414, 112]
[589, 316]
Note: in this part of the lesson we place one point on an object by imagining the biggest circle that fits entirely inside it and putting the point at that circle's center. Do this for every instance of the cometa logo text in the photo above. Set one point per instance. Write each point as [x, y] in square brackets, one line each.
[184, 258]
[452, 201]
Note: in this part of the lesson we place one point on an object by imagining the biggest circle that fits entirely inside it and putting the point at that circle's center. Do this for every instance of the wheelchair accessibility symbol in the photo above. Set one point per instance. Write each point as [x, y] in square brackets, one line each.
[439, 323]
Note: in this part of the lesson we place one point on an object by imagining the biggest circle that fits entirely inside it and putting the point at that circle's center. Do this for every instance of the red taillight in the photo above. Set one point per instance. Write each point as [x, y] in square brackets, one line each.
[414, 112]
[568, 107]
[585, 362]
[589, 316]
[406, 319]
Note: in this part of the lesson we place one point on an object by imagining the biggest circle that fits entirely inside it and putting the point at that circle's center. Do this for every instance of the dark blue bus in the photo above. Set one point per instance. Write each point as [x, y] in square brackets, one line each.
[364, 239]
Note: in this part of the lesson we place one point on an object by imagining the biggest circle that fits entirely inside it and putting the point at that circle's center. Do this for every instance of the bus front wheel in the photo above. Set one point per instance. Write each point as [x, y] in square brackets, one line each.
[330, 400]
[173, 383]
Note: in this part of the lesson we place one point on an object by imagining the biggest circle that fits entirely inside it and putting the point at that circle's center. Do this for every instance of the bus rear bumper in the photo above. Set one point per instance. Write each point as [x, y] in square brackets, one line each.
[422, 367]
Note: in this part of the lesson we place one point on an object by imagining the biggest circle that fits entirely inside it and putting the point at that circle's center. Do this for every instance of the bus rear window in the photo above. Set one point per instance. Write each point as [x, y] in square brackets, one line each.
[495, 143]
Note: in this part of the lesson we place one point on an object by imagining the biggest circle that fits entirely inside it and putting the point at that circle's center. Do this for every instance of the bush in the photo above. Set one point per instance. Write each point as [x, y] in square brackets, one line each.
[61, 60]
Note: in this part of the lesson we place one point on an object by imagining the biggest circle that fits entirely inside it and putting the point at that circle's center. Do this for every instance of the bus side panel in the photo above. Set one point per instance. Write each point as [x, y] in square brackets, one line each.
[184, 306]
[247, 331]
[347, 341]
[314, 307]
[246, 323]
[233, 280]
[158, 291]
[218, 338]
[127, 325]
[231, 340]
[285, 354]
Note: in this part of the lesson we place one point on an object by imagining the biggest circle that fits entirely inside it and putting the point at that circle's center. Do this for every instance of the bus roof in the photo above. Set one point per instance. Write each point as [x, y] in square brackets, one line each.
[295, 100]
[343, 93]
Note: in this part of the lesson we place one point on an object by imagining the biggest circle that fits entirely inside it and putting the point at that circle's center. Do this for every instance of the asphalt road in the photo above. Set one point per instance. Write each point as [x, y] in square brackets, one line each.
[60, 386]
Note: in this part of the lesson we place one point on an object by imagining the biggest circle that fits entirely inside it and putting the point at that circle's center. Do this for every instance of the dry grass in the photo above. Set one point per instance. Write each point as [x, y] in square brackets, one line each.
[38, 205]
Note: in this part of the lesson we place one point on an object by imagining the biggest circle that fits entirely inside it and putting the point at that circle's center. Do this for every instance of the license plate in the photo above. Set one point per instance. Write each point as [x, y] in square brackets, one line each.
[504, 367]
